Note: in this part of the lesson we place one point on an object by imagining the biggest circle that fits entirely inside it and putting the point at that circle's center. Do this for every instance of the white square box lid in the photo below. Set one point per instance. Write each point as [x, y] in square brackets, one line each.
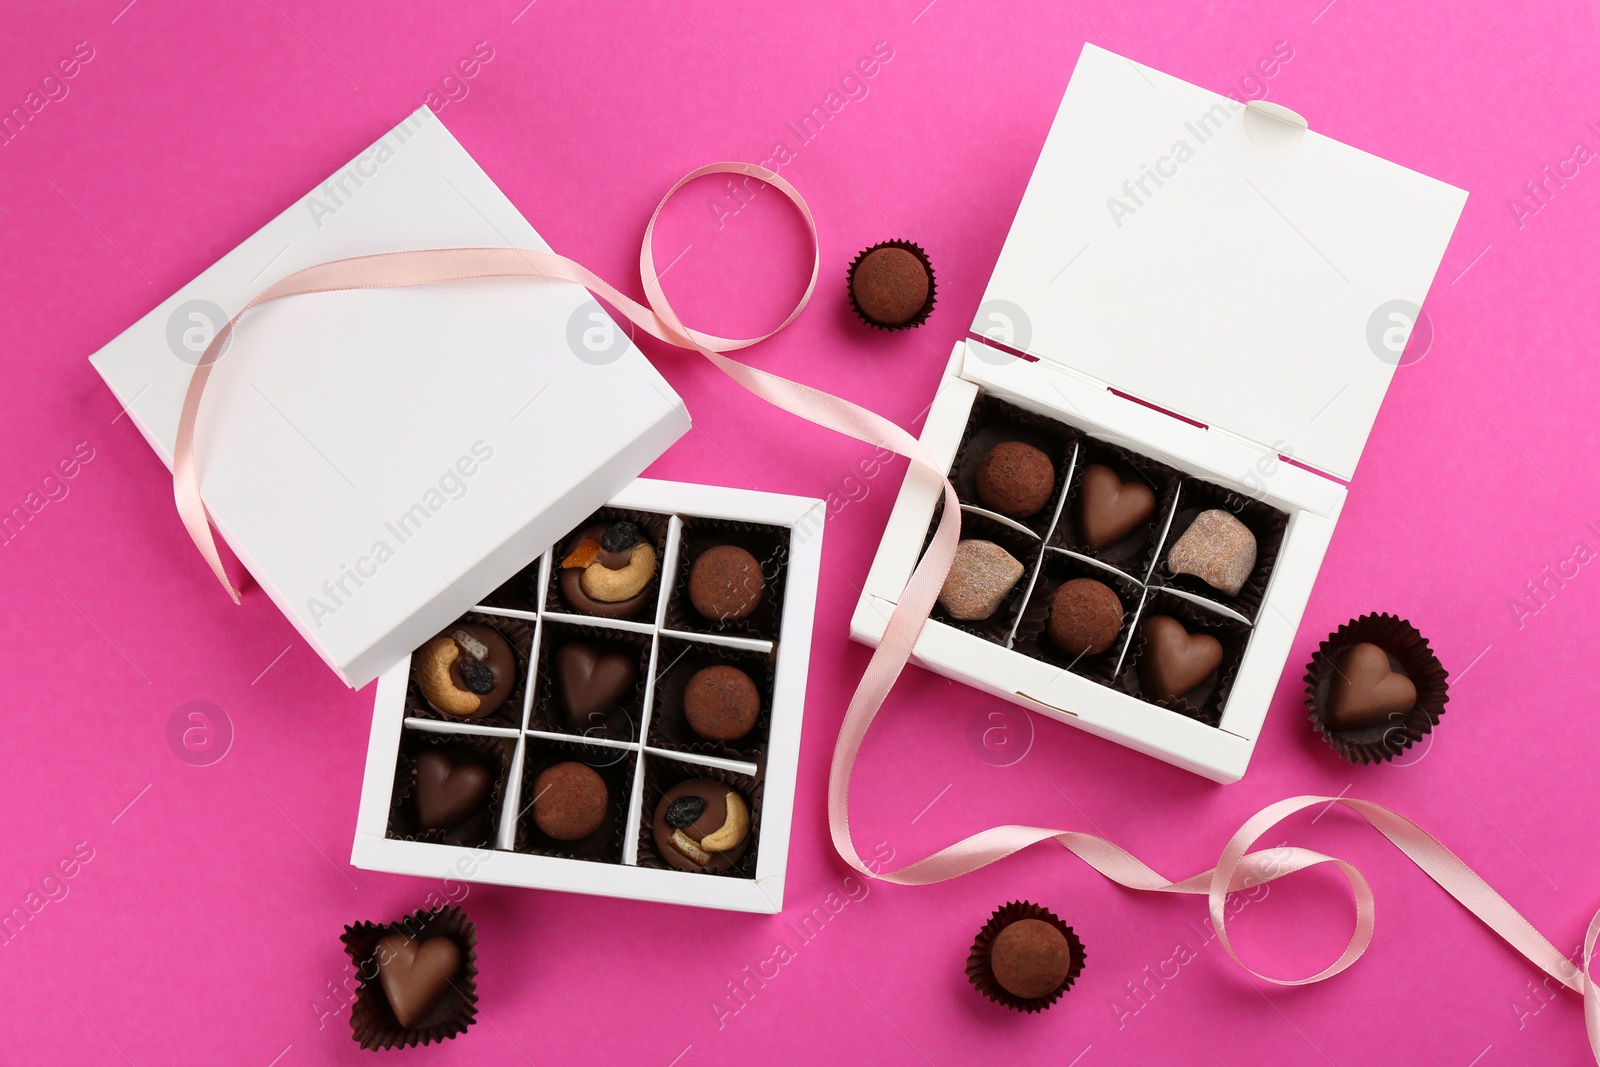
[380, 460]
[1261, 291]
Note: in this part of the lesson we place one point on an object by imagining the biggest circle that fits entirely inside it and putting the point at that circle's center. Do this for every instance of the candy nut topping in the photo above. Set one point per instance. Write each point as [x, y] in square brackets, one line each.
[470, 645]
[686, 844]
[433, 675]
[733, 829]
[610, 586]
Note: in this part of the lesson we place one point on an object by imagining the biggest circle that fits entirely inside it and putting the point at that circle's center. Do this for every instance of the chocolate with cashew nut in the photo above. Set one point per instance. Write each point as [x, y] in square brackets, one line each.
[701, 825]
[609, 569]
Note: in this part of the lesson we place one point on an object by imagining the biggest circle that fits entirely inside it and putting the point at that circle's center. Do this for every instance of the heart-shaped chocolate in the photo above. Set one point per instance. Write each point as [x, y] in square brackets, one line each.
[592, 682]
[1366, 691]
[1109, 509]
[1174, 660]
[447, 791]
[416, 976]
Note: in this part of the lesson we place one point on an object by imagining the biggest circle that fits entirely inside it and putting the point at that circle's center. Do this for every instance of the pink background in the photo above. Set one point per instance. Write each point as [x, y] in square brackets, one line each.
[205, 926]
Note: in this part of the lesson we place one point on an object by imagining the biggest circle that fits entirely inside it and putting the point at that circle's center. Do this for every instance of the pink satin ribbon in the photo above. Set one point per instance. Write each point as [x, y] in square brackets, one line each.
[1237, 869]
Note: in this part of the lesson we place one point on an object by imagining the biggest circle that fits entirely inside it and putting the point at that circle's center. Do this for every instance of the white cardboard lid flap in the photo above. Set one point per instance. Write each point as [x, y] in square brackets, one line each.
[380, 460]
[1218, 261]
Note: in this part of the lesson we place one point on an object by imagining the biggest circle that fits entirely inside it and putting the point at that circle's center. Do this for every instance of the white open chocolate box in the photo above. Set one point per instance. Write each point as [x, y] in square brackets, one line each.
[634, 735]
[385, 463]
[1210, 300]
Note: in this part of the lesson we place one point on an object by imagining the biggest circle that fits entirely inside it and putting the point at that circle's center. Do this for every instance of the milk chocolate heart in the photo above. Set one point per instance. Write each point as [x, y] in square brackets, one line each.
[1109, 509]
[1174, 660]
[447, 791]
[415, 977]
[1366, 691]
[592, 682]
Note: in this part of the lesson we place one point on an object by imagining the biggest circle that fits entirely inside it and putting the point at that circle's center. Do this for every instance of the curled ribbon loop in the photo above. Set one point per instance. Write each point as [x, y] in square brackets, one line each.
[1238, 868]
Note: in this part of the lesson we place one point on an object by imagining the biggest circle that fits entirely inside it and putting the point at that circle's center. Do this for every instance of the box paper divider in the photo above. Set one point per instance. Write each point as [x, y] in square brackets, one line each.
[512, 811]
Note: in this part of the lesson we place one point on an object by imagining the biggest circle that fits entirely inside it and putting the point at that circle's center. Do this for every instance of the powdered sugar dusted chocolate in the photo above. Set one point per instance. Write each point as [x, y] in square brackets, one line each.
[979, 579]
[1216, 548]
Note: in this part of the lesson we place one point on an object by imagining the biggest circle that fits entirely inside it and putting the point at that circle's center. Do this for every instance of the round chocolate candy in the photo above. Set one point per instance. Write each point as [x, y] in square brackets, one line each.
[726, 583]
[569, 801]
[891, 286]
[1025, 957]
[701, 825]
[1016, 479]
[1030, 959]
[467, 671]
[609, 569]
[1085, 617]
[721, 703]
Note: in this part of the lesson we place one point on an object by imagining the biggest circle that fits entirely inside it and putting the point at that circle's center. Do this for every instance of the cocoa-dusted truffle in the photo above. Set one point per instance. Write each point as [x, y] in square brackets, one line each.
[1030, 958]
[891, 285]
[1216, 548]
[1025, 957]
[980, 577]
[1085, 617]
[726, 583]
[569, 801]
[1016, 479]
[721, 703]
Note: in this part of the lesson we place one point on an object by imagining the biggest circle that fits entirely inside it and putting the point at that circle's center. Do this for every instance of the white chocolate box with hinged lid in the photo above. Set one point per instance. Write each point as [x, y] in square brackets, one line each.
[1210, 292]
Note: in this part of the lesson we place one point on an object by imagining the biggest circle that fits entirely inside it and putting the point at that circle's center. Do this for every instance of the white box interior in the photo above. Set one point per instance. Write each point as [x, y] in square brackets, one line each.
[374, 849]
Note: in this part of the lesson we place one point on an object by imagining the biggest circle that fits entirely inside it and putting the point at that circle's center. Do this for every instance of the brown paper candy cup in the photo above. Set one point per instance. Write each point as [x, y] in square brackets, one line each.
[519, 635]
[655, 529]
[1033, 639]
[477, 829]
[660, 775]
[1265, 521]
[620, 722]
[1024, 549]
[770, 547]
[677, 662]
[994, 421]
[927, 305]
[615, 767]
[520, 592]
[981, 974]
[1409, 651]
[1135, 551]
[1205, 702]
[372, 1021]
